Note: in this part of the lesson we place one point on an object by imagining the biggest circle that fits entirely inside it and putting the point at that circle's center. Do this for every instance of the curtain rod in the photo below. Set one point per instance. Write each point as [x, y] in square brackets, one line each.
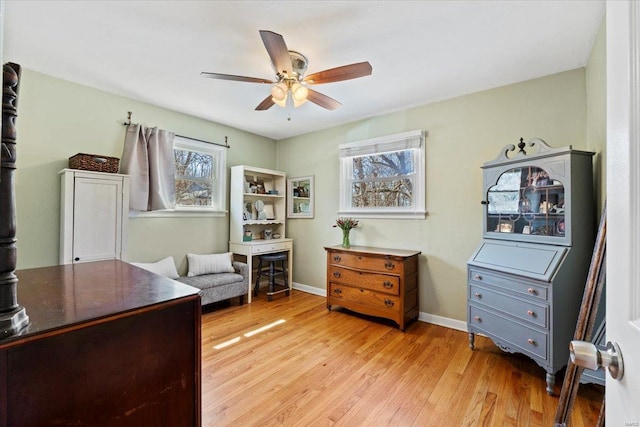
[226, 144]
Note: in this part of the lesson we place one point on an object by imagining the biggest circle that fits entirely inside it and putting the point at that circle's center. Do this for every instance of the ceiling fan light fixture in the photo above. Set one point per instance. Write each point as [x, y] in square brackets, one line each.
[290, 83]
[279, 92]
[280, 102]
[299, 92]
[297, 103]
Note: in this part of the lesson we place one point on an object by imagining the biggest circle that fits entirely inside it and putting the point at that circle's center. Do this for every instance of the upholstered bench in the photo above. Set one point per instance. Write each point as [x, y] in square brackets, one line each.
[221, 286]
[216, 275]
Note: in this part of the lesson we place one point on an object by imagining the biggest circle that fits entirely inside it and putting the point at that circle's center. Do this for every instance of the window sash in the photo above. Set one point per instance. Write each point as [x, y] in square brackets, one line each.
[384, 144]
[217, 179]
[400, 142]
[410, 177]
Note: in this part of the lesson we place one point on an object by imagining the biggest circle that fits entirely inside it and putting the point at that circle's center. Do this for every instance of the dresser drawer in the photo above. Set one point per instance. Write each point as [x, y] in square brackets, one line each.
[509, 283]
[364, 297]
[523, 309]
[270, 247]
[523, 338]
[362, 279]
[363, 262]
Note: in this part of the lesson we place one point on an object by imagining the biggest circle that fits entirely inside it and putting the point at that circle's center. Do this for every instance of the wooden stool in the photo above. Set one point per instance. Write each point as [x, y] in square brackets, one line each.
[267, 265]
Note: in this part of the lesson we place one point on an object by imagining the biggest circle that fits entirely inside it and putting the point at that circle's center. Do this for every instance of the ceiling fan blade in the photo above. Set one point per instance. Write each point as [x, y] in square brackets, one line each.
[346, 72]
[265, 104]
[278, 51]
[235, 78]
[322, 100]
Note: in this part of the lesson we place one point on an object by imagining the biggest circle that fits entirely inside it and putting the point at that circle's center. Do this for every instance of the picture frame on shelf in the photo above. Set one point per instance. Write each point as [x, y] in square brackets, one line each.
[269, 211]
[247, 214]
[505, 227]
[300, 197]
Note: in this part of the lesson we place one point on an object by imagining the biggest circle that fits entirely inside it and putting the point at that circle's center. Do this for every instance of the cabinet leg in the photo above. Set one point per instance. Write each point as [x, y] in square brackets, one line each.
[472, 338]
[551, 382]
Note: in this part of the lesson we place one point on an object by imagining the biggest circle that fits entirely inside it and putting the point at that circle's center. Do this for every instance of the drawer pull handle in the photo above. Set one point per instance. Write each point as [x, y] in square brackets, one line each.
[336, 274]
[532, 342]
[388, 303]
[478, 295]
[531, 313]
[477, 277]
[532, 291]
[338, 291]
[389, 265]
[478, 319]
[337, 258]
[387, 284]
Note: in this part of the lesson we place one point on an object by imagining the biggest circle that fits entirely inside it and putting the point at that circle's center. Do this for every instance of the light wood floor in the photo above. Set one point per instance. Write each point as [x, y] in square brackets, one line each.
[313, 367]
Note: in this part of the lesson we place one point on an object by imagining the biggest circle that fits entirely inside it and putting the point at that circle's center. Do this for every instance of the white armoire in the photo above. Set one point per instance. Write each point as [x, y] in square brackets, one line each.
[94, 209]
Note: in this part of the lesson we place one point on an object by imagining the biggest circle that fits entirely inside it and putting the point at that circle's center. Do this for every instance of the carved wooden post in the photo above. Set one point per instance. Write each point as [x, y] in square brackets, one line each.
[13, 317]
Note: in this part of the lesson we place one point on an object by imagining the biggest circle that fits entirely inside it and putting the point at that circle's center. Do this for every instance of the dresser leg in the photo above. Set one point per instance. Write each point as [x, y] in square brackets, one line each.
[472, 338]
[551, 382]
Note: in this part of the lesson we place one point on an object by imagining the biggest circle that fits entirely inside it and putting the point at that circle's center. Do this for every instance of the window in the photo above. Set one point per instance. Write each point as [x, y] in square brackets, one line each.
[384, 177]
[200, 175]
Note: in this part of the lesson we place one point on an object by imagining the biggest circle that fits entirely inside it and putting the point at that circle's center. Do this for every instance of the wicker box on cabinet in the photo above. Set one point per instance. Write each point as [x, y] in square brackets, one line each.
[94, 162]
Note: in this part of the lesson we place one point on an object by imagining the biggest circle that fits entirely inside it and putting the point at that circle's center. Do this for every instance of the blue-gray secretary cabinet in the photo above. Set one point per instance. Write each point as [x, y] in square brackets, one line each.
[526, 279]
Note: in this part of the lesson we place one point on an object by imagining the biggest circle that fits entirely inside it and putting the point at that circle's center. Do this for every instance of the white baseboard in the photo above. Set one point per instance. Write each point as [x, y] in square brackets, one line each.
[423, 317]
[310, 289]
[443, 321]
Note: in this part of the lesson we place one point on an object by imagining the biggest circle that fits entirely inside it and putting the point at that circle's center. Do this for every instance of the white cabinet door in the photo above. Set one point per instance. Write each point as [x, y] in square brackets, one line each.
[97, 219]
[94, 216]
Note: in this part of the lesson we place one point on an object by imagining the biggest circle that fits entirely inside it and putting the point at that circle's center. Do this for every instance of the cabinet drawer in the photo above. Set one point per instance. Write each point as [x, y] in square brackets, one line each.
[522, 338]
[382, 264]
[509, 283]
[362, 279]
[525, 310]
[365, 297]
[270, 247]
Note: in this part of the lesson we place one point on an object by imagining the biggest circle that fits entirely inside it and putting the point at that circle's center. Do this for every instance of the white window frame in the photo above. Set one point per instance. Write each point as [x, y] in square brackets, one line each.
[415, 141]
[218, 208]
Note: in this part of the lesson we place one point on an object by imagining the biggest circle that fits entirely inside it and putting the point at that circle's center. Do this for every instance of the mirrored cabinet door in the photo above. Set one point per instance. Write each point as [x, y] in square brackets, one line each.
[300, 195]
[526, 200]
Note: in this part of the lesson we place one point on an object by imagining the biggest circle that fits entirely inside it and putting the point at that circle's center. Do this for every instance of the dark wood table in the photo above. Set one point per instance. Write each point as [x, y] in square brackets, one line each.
[108, 344]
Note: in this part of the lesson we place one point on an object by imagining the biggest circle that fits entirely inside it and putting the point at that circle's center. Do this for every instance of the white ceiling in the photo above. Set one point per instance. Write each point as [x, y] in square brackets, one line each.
[420, 51]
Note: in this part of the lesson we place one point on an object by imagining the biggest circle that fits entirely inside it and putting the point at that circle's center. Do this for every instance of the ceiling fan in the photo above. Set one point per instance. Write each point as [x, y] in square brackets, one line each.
[290, 84]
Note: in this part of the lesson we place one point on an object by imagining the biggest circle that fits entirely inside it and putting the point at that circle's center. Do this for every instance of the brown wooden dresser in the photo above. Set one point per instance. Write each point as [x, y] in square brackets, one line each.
[374, 281]
[108, 344]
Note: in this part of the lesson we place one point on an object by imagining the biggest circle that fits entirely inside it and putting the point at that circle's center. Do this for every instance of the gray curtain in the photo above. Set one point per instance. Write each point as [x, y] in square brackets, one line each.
[147, 158]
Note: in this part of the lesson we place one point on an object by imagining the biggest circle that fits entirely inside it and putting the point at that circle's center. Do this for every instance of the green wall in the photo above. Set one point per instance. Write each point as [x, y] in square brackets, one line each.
[596, 82]
[463, 133]
[57, 119]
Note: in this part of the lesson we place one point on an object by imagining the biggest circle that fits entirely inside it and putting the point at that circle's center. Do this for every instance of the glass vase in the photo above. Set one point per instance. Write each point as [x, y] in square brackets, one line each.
[345, 239]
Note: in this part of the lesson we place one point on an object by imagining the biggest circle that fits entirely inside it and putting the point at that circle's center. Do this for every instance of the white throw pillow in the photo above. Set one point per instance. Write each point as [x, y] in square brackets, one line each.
[165, 267]
[208, 264]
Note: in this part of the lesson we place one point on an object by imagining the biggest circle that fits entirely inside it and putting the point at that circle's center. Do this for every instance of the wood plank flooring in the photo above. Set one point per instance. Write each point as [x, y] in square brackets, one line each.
[291, 362]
